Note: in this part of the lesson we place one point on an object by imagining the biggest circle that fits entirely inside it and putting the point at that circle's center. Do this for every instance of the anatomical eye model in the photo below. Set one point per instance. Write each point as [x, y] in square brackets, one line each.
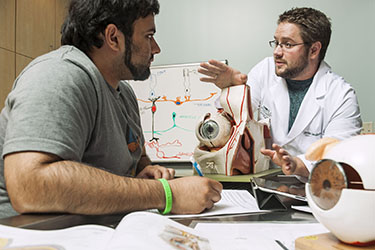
[230, 139]
[341, 187]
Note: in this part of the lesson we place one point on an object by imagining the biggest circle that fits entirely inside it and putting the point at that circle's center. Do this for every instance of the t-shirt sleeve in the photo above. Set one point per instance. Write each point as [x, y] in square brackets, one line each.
[51, 111]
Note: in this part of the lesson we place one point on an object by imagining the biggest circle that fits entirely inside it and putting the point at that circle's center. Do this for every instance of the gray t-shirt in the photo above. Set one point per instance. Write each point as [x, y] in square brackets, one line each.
[61, 104]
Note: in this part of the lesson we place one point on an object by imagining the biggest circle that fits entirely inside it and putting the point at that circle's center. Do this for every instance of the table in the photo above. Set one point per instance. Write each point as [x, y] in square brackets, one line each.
[59, 221]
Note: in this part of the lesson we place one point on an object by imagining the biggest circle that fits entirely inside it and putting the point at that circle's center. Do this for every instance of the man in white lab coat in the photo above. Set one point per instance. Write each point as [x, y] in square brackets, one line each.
[296, 90]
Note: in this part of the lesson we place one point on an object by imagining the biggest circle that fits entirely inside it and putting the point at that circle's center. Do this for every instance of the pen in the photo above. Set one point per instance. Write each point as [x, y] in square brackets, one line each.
[281, 244]
[197, 168]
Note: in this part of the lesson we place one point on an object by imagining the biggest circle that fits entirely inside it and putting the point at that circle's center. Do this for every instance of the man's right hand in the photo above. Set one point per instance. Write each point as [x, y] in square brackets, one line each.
[221, 74]
[192, 195]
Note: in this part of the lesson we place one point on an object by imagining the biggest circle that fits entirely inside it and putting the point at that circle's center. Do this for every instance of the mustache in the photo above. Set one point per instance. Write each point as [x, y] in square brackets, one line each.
[278, 59]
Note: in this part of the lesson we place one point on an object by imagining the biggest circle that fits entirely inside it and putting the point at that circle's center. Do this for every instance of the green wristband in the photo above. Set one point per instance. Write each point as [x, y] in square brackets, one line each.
[168, 196]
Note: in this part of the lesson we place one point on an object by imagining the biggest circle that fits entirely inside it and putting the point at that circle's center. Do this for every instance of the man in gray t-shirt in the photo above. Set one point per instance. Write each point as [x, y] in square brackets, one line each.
[70, 133]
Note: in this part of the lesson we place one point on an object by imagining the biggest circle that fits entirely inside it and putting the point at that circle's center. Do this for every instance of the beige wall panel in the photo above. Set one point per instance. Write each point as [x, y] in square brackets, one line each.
[7, 24]
[35, 27]
[61, 11]
[7, 73]
[21, 63]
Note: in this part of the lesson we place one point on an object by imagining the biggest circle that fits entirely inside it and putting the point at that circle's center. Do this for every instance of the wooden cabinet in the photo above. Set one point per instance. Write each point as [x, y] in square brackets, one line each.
[61, 12]
[35, 27]
[7, 24]
[7, 73]
[28, 29]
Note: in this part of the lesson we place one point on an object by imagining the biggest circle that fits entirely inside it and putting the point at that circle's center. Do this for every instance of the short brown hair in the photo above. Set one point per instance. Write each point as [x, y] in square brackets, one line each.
[314, 24]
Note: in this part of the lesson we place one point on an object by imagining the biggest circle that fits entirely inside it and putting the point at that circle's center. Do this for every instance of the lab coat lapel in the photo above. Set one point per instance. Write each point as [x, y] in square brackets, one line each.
[280, 102]
[310, 105]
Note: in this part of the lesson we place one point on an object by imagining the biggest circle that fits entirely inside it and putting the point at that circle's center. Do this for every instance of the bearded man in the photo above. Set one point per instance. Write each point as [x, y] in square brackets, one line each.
[70, 134]
[296, 90]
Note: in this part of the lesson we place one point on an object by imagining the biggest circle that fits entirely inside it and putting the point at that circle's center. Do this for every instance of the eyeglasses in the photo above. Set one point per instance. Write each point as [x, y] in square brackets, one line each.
[273, 44]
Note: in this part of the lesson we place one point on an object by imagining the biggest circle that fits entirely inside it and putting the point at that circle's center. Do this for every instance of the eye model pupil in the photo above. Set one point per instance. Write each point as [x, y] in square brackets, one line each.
[327, 185]
[210, 129]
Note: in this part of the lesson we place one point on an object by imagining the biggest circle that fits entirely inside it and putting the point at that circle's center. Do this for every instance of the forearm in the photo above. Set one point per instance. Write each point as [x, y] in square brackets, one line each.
[66, 186]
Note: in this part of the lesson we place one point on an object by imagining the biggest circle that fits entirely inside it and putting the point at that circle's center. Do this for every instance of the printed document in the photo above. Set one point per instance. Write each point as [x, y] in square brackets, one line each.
[257, 235]
[232, 202]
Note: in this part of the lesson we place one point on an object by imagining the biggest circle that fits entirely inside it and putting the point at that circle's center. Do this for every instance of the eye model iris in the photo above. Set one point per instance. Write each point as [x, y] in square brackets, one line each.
[209, 129]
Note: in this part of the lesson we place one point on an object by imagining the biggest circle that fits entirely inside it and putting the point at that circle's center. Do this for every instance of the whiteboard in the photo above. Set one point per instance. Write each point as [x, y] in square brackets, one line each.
[171, 103]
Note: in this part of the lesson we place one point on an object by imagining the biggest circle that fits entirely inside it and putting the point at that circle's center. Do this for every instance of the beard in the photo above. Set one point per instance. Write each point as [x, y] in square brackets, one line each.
[296, 69]
[140, 72]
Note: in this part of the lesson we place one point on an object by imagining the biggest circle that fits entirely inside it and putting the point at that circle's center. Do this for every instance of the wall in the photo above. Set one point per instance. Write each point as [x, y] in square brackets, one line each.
[198, 30]
[239, 30]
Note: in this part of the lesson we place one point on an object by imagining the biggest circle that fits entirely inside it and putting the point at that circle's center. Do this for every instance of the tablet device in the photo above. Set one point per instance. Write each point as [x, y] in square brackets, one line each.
[284, 185]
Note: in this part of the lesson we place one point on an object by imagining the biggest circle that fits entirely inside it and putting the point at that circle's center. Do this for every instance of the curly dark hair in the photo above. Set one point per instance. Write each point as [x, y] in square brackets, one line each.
[315, 26]
[86, 19]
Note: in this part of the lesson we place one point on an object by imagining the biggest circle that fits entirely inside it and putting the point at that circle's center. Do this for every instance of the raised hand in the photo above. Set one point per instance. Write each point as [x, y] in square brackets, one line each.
[221, 74]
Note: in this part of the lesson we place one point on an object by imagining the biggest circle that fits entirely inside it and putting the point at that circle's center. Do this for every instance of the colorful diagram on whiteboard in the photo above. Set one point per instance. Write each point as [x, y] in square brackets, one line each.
[171, 102]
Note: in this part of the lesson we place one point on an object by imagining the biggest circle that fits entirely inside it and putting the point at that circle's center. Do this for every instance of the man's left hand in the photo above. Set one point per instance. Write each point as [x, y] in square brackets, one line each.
[156, 172]
[288, 163]
[281, 158]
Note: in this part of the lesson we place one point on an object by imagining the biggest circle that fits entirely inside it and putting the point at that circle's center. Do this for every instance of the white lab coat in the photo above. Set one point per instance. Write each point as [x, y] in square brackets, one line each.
[329, 109]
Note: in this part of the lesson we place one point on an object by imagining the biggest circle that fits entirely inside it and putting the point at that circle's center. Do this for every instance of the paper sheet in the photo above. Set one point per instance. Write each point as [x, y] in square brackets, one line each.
[256, 235]
[305, 209]
[75, 238]
[143, 230]
[232, 202]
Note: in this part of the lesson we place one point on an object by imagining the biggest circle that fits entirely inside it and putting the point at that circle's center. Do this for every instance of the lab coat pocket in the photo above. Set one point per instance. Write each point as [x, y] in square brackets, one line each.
[310, 134]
